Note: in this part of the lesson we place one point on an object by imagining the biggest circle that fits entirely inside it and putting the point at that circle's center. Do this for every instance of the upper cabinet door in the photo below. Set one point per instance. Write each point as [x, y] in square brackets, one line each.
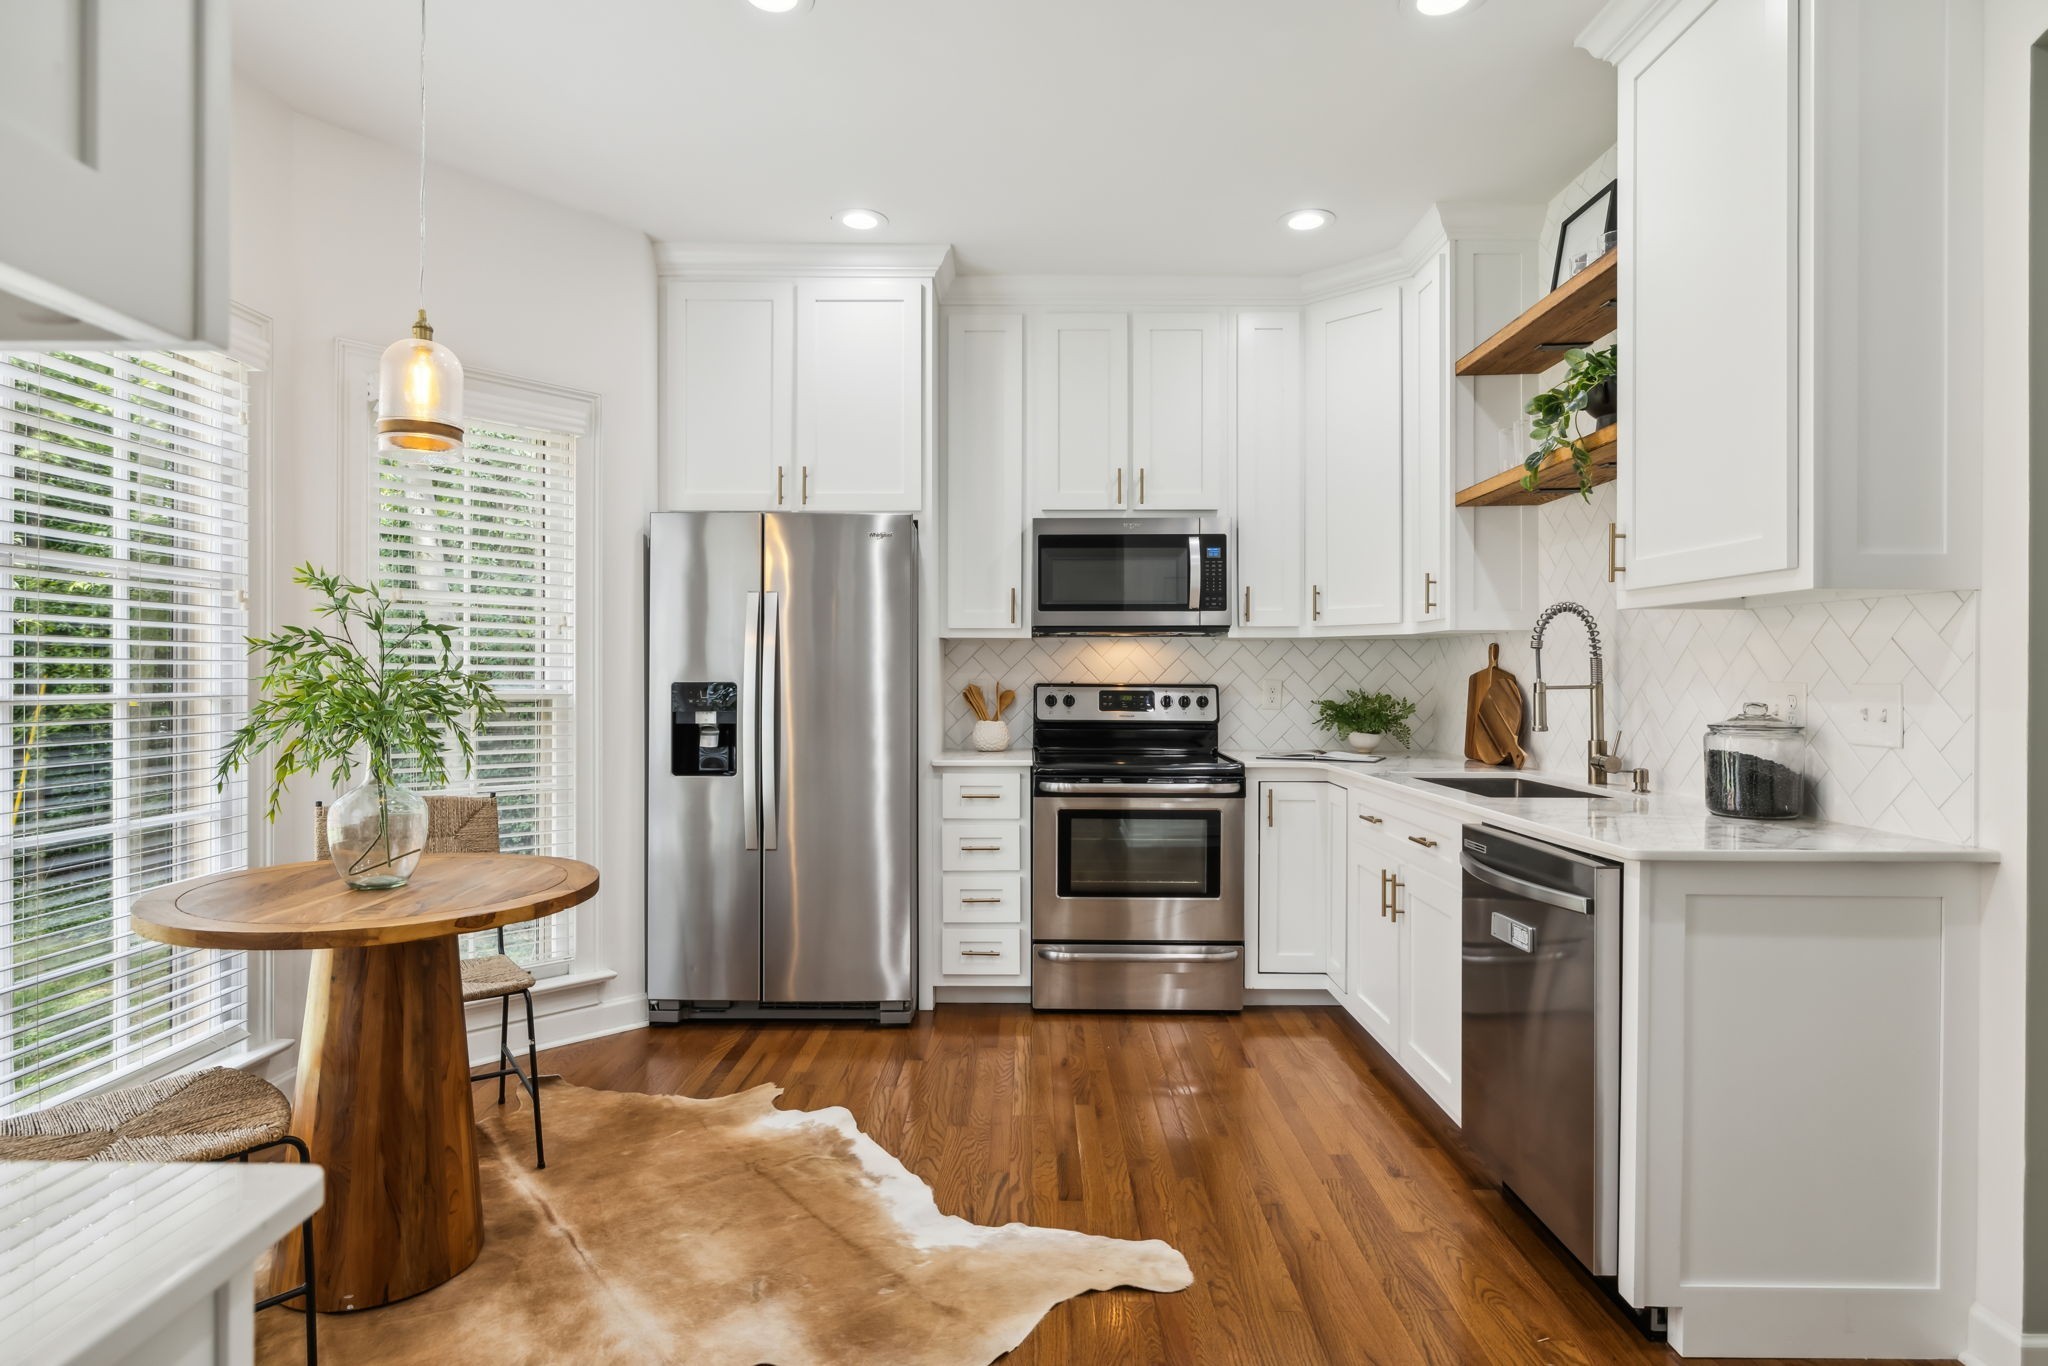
[1268, 544]
[983, 472]
[860, 395]
[1080, 412]
[728, 365]
[1707, 275]
[1355, 460]
[1177, 412]
[114, 152]
[1426, 370]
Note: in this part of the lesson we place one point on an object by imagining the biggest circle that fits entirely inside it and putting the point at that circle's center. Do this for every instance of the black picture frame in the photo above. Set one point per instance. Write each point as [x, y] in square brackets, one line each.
[1608, 197]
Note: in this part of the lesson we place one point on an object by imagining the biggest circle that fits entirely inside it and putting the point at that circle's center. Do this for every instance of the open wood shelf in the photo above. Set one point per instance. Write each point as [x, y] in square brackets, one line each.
[1577, 313]
[1556, 479]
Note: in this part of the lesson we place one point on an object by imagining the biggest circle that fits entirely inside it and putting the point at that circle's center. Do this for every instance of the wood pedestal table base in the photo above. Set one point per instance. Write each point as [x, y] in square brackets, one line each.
[383, 1085]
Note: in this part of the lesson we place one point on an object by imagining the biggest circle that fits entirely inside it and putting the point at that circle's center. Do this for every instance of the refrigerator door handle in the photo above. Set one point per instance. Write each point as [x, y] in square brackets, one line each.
[771, 717]
[750, 654]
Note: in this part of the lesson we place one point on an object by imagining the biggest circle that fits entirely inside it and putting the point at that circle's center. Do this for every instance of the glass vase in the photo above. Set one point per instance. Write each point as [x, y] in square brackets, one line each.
[375, 834]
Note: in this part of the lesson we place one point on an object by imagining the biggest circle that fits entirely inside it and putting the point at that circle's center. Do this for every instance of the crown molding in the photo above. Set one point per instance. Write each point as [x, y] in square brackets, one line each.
[1111, 292]
[752, 260]
[1614, 32]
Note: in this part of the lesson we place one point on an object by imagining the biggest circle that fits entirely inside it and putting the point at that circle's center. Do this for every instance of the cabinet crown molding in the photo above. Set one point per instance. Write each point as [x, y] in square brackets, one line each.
[754, 260]
[1614, 32]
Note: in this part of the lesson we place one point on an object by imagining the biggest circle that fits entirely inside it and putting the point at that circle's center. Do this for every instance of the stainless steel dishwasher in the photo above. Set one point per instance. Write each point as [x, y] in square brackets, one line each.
[1542, 1016]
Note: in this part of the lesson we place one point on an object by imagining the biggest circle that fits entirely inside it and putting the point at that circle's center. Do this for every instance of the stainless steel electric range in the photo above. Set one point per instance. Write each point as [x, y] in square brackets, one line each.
[1137, 850]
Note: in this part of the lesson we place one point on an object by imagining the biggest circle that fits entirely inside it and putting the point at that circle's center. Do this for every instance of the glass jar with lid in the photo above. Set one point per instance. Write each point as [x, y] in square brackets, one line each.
[1756, 766]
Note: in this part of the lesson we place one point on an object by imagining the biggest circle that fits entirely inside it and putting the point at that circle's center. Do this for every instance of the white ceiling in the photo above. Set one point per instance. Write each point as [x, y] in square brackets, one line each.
[1037, 136]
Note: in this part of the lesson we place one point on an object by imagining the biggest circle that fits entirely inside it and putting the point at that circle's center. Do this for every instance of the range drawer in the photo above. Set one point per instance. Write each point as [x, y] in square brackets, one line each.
[981, 796]
[1137, 977]
[981, 846]
[982, 899]
[990, 952]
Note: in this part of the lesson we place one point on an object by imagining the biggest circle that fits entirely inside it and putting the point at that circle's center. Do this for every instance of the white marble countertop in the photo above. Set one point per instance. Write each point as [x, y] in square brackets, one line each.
[975, 758]
[96, 1257]
[1623, 825]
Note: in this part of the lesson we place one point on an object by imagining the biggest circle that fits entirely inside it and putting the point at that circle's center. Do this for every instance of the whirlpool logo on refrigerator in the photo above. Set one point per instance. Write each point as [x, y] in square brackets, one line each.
[880, 535]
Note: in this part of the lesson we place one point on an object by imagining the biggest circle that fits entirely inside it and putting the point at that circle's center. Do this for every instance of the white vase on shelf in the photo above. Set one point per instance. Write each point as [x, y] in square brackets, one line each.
[992, 737]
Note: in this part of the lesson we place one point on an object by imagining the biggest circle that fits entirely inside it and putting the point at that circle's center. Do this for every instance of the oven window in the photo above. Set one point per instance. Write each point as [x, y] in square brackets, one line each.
[1126, 573]
[1142, 854]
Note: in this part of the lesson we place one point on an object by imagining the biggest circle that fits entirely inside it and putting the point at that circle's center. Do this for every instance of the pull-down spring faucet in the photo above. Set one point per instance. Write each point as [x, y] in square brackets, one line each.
[1599, 760]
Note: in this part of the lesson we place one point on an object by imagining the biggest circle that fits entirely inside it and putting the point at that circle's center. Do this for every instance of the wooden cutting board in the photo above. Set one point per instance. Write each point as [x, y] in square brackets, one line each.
[1493, 715]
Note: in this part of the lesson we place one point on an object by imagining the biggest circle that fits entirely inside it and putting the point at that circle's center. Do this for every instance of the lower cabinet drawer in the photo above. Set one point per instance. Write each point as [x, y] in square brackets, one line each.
[1421, 834]
[982, 898]
[1137, 977]
[981, 846]
[990, 951]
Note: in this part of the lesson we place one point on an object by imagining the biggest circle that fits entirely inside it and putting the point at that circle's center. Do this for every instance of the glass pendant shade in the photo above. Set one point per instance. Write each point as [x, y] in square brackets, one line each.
[419, 396]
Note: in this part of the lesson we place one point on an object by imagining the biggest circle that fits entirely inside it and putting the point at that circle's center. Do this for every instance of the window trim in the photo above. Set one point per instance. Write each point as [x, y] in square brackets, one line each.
[525, 402]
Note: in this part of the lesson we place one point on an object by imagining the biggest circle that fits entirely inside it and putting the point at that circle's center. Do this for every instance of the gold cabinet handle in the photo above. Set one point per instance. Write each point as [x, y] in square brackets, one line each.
[1141, 486]
[1428, 594]
[981, 796]
[981, 848]
[1422, 840]
[1394, 898]
[981, 901]
[807, 483]
[1269, 807]
[1375, 820]
[981, 953]
[1614, 535]
[1316, 603]
[1119, 488]
[1013, 607]
[1386, 896]
[1247, 604]
[780, 471]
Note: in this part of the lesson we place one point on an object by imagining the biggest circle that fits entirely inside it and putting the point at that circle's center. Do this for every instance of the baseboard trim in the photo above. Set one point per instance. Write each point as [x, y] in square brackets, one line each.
[1994, 1342]
[557, 1028]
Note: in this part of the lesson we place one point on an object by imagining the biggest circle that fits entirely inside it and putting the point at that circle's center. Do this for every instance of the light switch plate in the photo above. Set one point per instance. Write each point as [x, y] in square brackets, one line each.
[1273, 694]
[1874, 715]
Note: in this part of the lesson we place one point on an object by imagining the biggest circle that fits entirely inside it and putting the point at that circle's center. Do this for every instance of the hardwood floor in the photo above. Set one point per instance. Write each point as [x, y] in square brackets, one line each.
[1324, 1221]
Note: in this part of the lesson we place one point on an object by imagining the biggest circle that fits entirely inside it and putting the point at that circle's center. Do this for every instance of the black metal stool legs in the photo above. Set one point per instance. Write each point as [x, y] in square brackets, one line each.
[531, 1081]
[303, 1291]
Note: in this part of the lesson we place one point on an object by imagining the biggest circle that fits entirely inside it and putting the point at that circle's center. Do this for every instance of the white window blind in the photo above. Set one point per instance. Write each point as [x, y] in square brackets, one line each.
[486, 546]
[124, 556]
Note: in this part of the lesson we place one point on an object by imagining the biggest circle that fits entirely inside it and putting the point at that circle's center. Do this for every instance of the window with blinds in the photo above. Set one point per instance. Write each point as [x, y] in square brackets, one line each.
[486, 546]
[125, 567]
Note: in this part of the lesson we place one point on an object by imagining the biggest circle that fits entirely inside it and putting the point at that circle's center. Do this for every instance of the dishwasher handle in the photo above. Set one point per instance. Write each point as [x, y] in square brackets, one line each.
[1522, 887]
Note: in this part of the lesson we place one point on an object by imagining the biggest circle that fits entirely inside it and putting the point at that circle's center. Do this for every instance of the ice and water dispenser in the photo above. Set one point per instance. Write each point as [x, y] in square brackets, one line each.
[704, 728]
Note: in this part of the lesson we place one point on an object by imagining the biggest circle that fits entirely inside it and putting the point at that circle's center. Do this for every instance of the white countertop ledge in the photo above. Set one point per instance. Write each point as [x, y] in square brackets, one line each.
[97, 1257]
[1624, 825]
[975, 758]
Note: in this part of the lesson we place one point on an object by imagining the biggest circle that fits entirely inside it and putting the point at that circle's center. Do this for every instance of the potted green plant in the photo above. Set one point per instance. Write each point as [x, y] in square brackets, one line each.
[374, 686]
[1365, 718]
[1587, 390]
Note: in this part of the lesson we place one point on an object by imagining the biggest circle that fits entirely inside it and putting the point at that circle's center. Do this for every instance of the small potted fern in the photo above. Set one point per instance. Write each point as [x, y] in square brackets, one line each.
[1364, 718]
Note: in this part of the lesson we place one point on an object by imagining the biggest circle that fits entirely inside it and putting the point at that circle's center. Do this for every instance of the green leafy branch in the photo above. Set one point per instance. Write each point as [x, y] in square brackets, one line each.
[1556, 414]
[375, 683]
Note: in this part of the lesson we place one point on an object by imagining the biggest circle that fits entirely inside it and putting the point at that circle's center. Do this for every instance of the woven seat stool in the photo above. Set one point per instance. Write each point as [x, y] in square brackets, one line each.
[217, 1115]
[469, 825]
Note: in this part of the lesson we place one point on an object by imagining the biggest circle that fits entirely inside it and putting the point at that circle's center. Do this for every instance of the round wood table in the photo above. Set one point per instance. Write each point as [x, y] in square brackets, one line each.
[383, 1086]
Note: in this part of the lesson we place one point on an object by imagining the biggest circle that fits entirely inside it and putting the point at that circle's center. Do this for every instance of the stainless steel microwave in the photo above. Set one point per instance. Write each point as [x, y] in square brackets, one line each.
[1144, 576]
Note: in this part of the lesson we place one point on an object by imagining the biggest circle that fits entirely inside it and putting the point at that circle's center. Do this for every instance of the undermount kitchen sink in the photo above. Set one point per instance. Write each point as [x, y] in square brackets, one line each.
[1485, 785]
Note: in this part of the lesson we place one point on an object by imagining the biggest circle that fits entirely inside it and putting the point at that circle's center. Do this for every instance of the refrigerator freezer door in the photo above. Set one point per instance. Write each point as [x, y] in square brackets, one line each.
[703, 883]
[840, 878]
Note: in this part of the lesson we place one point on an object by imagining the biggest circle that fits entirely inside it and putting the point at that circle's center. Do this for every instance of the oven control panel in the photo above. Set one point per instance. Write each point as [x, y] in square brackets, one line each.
[1178, 702]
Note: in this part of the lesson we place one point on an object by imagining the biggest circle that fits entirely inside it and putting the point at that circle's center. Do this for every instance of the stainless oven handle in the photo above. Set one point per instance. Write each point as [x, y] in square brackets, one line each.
[1139, 789]
[1534, 891]
[1111, 956]
[1194, 573]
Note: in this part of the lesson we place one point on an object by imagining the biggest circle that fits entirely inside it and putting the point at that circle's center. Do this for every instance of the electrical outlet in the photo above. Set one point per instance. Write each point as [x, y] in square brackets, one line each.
[1787, 702]
[1273, 694]
[1874, 715]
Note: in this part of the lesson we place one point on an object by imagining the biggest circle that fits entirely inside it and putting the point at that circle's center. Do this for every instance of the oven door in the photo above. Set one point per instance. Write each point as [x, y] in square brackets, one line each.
[1098, 576]
[1153, 870]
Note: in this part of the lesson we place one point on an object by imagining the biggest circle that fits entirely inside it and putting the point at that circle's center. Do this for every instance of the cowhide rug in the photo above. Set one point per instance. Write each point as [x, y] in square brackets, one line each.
[722, 1233]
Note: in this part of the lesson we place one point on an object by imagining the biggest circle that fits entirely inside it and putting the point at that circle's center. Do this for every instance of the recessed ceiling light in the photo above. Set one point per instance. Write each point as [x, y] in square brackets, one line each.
[792, 6]
[1429, 7]
[1308, 220]
[861, 220]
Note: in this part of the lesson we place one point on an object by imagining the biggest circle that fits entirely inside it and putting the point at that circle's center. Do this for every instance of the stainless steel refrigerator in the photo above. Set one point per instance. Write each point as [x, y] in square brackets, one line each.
[782, 765]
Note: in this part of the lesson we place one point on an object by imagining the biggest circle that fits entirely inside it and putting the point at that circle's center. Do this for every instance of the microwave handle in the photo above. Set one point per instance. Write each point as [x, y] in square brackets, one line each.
[1195, 573]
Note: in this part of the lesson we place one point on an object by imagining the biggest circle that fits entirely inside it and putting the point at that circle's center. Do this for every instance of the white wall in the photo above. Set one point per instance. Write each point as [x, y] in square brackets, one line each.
[324, 237]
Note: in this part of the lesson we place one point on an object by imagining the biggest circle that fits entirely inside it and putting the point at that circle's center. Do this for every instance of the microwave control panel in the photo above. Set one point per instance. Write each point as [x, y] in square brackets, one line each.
[1215, 575]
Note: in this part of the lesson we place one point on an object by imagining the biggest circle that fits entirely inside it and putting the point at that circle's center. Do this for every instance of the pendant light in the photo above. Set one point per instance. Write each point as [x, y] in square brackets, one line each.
[419, 381]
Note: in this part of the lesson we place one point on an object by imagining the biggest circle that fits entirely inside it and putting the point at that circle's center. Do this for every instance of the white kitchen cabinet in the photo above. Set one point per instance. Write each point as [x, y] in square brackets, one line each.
[1427, 905]
[1426, 377]
[1373, 987]
[1296, 890]
[1847, 283]
[1178, 407]
[1268, 545]
[114, 152]
[983, 473]
[860, 395]
[1355, 465]
[728, 380]
[1080, 381]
